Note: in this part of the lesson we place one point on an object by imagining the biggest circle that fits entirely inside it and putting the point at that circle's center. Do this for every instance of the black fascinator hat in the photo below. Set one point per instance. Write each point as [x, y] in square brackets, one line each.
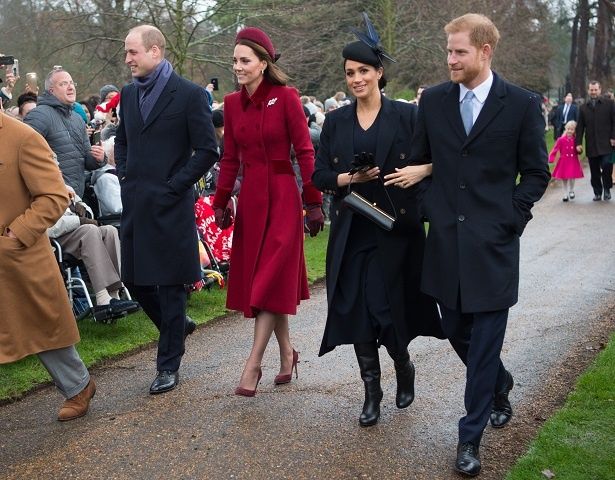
[368, 49]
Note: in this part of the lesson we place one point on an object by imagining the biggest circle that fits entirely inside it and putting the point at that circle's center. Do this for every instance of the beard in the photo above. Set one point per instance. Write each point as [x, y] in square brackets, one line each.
[466, 74]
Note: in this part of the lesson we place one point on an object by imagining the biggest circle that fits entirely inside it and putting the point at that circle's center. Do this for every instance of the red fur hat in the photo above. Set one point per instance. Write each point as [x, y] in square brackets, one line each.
[259, 37]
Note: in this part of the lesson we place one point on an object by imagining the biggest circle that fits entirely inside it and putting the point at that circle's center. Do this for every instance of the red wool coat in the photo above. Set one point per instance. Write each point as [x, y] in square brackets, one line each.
[267, 264]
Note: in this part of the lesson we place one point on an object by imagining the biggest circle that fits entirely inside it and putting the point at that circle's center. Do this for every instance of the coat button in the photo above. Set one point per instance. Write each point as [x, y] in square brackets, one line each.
[402, 156]
[464, 153]
[402, 211]
[461, 218]
[335, 160]
[462, 186]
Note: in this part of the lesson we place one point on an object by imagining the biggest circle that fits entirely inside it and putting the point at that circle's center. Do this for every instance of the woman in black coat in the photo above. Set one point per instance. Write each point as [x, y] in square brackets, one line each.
[373, 275]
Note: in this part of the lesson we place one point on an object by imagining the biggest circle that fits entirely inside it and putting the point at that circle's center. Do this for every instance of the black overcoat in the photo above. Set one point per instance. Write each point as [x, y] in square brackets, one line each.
[597, 123]
[476, 207]
[158, 161]
[400, 252]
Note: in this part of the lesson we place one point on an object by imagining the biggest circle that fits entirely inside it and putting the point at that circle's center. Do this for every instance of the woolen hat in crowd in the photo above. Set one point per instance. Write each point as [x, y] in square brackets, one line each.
[331, 103]
[259, 37]
[217, 117]
[106, 90]
[368, 49]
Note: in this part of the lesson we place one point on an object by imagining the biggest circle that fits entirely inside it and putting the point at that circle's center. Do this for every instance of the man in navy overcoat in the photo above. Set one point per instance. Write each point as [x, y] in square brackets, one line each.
[165, 142]
[485, 138]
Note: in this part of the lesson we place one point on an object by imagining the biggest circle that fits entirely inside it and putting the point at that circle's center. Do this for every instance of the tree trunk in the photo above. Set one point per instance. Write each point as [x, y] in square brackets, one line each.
[578, 74]
[601, 69]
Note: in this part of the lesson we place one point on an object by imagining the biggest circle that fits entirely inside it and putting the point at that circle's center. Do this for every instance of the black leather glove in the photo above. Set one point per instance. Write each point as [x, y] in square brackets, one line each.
[315, 219]
[224, 218]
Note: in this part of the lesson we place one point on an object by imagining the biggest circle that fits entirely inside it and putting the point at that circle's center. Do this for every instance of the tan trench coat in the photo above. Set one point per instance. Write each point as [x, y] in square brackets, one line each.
[35, 314]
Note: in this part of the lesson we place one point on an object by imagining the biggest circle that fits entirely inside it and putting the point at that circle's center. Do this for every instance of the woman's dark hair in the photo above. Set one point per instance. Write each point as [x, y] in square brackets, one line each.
[274, 74]
[88, 106]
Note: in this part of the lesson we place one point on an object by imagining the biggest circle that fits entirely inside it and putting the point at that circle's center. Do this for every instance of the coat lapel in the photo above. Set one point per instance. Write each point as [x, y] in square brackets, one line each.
[167, 95]
[389, 123]
[450, 107]
[345, 135]
[491, 108]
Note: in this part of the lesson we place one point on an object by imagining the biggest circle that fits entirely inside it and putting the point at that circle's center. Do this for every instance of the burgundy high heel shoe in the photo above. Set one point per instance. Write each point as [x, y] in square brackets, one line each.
[282, 379]
[244, 392]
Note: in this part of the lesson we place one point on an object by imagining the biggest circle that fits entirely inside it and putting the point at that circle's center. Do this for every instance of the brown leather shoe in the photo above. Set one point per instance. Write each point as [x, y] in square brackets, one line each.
[78, 405]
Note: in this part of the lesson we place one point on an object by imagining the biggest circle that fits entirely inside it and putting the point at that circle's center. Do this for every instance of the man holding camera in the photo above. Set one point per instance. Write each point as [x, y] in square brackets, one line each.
[64, 130]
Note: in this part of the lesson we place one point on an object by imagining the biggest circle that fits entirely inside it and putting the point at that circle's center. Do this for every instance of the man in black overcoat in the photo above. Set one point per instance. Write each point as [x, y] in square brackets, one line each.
[564, 113]
[165, 142]
[489, 167]
[597, 124]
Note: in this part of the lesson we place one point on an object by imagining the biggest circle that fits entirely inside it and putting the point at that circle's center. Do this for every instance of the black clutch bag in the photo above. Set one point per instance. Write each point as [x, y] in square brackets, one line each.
[361, 205]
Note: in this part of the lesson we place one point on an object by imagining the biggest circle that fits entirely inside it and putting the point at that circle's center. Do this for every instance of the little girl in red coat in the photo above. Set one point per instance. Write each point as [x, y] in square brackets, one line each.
[568, 167]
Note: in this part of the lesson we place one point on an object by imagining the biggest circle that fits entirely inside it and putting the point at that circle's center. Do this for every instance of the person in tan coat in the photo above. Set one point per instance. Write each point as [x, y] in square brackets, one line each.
[35, 313]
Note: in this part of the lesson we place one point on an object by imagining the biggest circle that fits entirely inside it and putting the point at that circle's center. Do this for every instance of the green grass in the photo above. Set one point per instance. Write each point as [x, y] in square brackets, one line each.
[100, 341]
[578, 442]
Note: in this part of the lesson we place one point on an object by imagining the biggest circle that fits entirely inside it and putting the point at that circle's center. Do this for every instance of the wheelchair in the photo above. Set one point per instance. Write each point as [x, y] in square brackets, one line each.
[77, 289]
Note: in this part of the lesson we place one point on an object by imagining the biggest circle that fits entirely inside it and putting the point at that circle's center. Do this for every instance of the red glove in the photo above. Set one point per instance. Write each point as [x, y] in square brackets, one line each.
[315, 219]
[224, 218]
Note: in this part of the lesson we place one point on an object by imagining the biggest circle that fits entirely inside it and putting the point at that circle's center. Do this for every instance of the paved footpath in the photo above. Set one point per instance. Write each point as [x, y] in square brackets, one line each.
[309, 428]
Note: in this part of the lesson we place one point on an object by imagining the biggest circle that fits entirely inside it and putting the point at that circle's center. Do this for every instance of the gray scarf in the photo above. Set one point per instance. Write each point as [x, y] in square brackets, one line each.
[151, 86]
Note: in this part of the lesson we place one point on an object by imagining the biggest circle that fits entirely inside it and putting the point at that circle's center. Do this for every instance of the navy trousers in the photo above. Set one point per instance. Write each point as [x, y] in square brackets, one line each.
[477, 338]
[165, 305]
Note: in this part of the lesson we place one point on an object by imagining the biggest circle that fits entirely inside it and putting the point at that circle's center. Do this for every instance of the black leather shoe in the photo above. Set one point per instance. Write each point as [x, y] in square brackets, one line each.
[468, 460]
[607, 194]
[189, 327]
[124, 306]
[501, 412]
[106, 314]
[597, 198]
[165, 380]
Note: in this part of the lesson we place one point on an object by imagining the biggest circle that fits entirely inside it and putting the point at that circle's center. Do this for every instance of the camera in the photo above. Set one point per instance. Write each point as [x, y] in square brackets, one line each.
[362, 162]
[95, 124]
[16, 68]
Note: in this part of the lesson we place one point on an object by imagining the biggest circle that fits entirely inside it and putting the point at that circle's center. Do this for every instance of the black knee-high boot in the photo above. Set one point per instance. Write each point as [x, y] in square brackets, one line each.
[369, 363]
[404, 371]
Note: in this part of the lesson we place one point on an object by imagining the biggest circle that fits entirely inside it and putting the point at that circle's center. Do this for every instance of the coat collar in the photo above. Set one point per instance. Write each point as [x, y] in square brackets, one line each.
[389, 124]
[259, 96]
[493, 104]
[167, 95]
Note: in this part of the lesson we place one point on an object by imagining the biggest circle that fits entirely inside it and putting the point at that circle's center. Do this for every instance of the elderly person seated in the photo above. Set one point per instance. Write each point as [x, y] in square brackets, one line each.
[99, 249]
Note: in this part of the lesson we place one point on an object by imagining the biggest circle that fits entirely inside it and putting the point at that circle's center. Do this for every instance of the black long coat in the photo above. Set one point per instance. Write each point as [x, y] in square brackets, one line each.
[597, 123]
[400, 252]
[158, 162]
[476, 209]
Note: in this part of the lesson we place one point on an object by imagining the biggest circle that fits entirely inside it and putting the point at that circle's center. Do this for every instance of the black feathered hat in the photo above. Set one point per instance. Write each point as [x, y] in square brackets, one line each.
[368, 49]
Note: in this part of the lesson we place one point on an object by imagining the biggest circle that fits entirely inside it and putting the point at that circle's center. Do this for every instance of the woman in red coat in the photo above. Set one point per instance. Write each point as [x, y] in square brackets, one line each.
[267, 279]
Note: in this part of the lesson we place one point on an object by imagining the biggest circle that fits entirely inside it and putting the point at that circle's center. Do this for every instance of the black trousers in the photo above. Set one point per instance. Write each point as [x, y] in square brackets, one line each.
[601, 170]
[165, 305]
[477, 338]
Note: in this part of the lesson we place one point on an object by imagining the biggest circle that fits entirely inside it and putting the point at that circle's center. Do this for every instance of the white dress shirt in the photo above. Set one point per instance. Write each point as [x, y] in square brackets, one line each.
[480, 95]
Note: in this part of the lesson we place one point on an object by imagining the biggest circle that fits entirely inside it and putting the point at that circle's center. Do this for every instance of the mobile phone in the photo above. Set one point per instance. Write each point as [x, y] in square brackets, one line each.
[214, 82]
[16, 68]
[95, 140]
[57, 67]
[31, 80]
[7, 60]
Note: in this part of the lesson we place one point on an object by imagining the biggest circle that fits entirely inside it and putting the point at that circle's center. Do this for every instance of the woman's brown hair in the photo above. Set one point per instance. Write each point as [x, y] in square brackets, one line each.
[273, 73]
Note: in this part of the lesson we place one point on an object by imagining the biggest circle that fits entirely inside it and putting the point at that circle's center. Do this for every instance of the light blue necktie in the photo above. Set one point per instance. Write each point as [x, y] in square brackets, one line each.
[467, 111]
